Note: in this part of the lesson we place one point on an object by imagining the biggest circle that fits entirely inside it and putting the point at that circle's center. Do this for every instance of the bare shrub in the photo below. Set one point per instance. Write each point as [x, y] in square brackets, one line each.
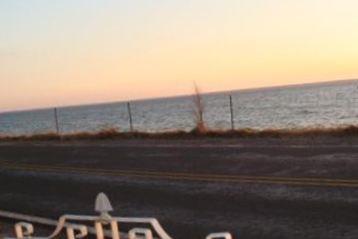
[198, 111]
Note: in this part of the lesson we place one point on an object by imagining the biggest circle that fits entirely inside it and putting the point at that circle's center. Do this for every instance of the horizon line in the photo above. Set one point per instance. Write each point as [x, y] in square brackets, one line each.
[178, 96]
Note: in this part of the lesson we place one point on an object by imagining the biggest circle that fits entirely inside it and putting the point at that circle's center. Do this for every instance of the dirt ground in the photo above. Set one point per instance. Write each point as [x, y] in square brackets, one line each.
[193, 209]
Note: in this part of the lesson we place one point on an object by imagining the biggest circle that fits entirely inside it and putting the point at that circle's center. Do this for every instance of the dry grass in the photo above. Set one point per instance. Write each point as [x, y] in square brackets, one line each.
[198, 110]
[112, 133]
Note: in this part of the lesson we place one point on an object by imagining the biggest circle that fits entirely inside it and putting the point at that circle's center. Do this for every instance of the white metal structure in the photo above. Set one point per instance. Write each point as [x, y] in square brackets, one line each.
[76, 226]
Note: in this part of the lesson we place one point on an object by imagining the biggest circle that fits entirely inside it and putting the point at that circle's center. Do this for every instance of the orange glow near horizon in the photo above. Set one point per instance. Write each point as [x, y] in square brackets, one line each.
[74, 53]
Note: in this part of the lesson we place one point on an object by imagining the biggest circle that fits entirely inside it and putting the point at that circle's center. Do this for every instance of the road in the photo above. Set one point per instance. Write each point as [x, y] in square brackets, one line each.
[256, 188]
[178, 176]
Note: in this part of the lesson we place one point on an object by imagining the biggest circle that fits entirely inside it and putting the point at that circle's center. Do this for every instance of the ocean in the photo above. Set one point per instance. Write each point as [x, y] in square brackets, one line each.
[329, 104]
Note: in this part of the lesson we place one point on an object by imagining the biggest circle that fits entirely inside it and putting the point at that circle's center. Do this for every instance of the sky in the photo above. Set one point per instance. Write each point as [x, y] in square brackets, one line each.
[70, 52]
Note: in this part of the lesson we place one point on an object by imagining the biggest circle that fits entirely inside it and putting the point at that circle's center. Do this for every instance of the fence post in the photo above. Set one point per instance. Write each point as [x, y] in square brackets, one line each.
[56, 121]
[130, 116]
[232, 114]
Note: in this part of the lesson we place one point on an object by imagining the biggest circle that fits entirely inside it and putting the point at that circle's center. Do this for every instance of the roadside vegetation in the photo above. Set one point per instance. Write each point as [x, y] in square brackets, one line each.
[198, 111]
[112, 133]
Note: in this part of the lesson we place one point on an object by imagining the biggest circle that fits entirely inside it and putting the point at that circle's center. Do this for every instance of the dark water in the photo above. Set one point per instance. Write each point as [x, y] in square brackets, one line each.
[328, 104]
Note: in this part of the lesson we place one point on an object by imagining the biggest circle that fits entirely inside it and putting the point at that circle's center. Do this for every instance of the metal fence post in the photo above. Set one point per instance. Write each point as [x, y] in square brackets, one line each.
[130, 116]
[232, 114]
[56, 121]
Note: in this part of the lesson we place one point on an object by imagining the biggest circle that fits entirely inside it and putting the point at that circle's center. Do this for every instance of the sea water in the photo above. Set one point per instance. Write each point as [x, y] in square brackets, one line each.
[311, 105]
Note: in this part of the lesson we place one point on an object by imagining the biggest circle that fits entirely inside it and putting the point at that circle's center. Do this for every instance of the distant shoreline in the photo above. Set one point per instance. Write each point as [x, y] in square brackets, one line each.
[112, 133]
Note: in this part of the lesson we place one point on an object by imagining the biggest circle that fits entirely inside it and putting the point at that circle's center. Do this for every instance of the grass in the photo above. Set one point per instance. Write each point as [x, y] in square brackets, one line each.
[198, 111]
[112, 133]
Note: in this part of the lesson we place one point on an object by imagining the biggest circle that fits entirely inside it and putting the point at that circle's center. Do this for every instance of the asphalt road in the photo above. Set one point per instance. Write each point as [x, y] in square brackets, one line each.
[253, 188]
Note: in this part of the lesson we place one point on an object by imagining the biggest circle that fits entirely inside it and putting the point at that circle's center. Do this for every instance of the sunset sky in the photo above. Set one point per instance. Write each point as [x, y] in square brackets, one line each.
[68, 52]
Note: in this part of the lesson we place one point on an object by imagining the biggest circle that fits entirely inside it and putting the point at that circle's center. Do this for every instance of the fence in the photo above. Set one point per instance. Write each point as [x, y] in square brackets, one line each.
[277, 108]
[131, 117]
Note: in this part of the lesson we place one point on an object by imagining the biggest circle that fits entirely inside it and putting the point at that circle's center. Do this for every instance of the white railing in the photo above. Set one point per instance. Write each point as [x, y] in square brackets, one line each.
[75, 228]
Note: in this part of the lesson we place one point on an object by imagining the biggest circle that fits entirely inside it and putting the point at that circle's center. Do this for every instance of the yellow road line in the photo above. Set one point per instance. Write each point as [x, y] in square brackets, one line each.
[190, 174]
[323, 182]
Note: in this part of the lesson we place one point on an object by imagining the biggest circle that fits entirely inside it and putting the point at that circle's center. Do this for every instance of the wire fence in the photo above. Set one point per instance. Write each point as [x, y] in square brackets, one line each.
[131, 117]
[158, 115]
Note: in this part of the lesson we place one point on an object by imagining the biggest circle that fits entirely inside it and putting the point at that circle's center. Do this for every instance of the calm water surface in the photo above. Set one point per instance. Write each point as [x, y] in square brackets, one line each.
[329, 104]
